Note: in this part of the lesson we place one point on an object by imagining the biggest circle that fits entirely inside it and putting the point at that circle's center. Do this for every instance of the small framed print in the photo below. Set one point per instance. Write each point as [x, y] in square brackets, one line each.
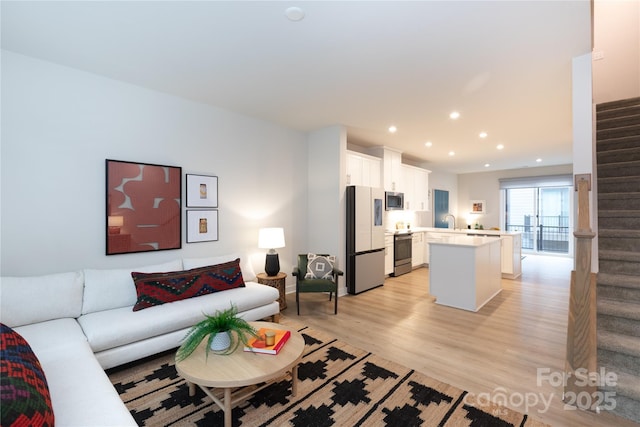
[202, 191]
[478, 206]
[202, 226]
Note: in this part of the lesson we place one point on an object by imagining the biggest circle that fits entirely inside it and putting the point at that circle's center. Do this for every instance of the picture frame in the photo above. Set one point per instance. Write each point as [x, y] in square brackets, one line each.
[202, 191]
[202, 225]
[478, 206]
[143, 207]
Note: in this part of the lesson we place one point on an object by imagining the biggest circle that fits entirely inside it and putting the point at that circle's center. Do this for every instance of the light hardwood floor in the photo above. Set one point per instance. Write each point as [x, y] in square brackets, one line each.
[497, 350]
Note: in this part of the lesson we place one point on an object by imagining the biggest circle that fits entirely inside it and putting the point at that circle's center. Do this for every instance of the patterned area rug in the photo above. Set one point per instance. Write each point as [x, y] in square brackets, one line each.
[338, 385]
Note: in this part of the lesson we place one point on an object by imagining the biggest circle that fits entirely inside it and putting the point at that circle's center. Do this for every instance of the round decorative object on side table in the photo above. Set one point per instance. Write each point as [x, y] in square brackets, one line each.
[278, 282]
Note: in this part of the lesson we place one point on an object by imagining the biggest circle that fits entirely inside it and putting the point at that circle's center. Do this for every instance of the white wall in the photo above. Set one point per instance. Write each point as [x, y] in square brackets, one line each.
[617, 37]
[58, 127]
[486, 186]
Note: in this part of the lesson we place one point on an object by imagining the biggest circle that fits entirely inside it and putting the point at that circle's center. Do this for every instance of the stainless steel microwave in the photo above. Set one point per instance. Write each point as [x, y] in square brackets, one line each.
[393, 201]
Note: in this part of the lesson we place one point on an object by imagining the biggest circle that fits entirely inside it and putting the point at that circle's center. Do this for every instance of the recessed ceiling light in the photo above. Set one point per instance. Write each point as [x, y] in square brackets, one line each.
[486, 165]
[428, 144]
[499, 146]
[454, 115]
[483, 135]
[294, 14]
[393, 129]
[538, 160]
[452, 153]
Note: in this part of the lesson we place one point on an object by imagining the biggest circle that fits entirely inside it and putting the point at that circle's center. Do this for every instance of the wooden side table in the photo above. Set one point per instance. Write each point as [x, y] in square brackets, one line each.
[278, 282]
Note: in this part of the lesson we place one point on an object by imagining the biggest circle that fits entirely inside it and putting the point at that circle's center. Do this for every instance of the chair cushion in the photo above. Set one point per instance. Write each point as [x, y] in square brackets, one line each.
[159, 288]
[25, 397]
[320, 266]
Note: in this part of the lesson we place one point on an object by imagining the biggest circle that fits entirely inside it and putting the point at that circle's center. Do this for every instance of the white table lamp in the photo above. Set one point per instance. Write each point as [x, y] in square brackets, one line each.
[271, 238]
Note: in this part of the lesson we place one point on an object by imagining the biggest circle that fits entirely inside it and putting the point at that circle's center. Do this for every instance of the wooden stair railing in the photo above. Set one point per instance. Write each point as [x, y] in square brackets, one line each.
[581, 358]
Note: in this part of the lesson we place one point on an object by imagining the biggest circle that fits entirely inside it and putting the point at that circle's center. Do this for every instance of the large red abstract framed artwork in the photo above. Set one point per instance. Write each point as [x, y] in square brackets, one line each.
[144, 209]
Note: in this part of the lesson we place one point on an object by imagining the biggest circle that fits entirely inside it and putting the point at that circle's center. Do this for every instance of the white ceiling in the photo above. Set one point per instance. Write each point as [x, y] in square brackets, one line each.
[504, 65]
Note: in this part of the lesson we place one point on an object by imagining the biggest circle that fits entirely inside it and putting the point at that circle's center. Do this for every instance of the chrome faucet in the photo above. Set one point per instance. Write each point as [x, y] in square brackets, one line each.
[454, 220]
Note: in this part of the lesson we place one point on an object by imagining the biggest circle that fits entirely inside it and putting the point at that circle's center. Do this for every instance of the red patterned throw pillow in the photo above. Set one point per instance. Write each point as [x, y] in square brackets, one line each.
[24, 392]
[159, 288]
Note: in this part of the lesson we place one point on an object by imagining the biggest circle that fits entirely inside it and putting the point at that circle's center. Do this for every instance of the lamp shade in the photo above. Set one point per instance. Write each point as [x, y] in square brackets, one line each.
[116, 221]
[271, 238]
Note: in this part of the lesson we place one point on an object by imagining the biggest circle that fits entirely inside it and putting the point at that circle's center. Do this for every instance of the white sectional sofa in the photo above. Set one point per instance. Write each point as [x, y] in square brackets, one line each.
[80, 323]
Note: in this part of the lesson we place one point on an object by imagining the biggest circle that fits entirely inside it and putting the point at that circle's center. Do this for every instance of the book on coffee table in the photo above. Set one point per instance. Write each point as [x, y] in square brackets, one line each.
[259, 345]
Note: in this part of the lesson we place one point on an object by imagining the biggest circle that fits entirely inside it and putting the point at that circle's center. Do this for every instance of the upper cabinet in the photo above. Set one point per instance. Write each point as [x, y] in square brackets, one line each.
[363, 170]
[415, 188]
[391, 168]
[385, 169]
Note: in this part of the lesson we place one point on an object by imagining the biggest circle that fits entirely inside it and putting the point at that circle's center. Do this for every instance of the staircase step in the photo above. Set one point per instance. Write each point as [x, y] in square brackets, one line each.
[626, 117]
[619, 262]
[617, 105]
[629, 169]
[625, 393]
[619, 343]
[620, 184]
[622, 155]
[615, 219]
[619, 239]
[619, 280]
[626, 407]
[618, 112]
[620, 143]
[619, 201]
[622, 309]
[618, 132]
[619, 325]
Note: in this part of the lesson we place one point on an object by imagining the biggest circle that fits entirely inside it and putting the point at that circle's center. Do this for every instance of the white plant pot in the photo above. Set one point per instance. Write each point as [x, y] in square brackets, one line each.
[221, 341]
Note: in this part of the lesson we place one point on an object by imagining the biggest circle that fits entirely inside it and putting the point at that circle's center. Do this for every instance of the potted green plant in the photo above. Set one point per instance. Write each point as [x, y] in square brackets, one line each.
[220, 329]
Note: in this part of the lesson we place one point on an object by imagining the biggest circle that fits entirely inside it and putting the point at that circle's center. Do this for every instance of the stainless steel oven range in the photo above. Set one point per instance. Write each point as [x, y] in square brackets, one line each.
[402, 253]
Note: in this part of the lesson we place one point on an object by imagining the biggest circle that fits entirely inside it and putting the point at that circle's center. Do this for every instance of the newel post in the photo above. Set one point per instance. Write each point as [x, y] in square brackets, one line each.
[581, 359]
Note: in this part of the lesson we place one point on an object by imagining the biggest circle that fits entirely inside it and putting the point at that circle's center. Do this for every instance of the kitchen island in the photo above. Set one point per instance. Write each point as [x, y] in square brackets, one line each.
[511, 246]
[464, 271]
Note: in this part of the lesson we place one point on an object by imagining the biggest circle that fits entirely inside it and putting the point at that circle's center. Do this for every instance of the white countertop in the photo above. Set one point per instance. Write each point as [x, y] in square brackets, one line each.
[464, 240]
[463, 231]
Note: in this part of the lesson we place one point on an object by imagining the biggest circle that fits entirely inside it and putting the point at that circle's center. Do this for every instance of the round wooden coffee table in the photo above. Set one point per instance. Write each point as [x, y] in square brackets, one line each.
[218, 375]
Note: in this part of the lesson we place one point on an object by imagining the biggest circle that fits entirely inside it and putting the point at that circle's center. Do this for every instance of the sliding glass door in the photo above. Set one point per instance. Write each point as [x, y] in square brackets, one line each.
[542, 215]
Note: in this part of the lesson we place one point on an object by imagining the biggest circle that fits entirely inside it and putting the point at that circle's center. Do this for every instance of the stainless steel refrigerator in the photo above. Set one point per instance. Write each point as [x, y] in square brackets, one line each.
[365, 238]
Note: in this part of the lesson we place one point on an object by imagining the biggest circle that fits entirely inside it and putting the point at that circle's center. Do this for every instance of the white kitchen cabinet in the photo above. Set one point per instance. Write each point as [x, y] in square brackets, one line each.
[421, 189]
[415, 186]
[511, 255]
[465, 271]
[391, 168]
[363, 170]
[510, 248]
[417, 249]
[388, 255]
[408, 187]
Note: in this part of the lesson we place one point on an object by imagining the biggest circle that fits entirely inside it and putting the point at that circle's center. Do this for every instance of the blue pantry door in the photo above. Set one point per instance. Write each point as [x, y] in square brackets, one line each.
[440, 208]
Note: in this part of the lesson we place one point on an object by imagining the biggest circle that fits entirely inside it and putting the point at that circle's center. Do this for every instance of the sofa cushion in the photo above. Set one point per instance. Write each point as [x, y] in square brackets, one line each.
[25, 398]
[36, 299]
[160, 288]
[114, 328]
[114, 288]
[247, 269]
[81, 392]
[320, 266]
